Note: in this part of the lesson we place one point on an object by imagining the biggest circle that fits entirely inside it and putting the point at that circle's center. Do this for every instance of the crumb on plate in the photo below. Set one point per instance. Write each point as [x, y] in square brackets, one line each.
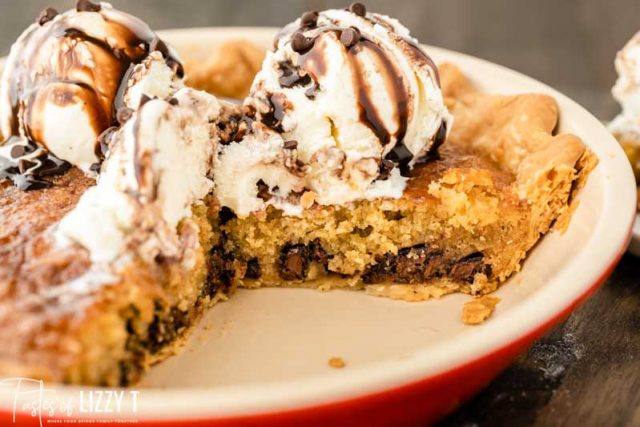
[337, 362]
[478, 310]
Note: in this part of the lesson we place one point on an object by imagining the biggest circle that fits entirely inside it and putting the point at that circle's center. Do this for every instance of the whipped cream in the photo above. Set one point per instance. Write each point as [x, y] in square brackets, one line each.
[158, 167]
[67, 75]
[357, 97]
[627, 92]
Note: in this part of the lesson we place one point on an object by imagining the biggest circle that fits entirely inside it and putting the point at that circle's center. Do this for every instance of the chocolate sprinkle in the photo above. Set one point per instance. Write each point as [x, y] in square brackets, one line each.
[358, 9]
[309, 19]
[173, 101]
[87, 6]
[46, 15]
[301, 43]
[350, 36]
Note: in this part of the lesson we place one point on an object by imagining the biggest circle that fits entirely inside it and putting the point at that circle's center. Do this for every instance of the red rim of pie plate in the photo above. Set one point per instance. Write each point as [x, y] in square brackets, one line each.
[404, 401]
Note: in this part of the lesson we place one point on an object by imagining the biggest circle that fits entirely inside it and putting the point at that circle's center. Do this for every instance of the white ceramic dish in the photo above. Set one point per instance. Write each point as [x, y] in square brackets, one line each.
[262, 356]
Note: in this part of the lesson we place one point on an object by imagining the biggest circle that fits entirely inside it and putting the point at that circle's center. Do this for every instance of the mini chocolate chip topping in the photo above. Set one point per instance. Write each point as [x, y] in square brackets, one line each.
[301, 43]
[309, 19]
[123, 114]
[291, 76]
[173, 101]
[358, 9]
[46, 15]
[350, 36]
[17, 151]
[290, 145]
[87, 6]
[143, 100]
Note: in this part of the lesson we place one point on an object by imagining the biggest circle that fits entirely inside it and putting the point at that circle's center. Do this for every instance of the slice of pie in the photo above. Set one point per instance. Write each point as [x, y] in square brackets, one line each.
[465, 222]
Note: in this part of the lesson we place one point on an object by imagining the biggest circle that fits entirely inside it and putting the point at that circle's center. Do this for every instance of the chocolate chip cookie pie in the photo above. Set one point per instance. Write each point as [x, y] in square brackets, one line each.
[131, 202]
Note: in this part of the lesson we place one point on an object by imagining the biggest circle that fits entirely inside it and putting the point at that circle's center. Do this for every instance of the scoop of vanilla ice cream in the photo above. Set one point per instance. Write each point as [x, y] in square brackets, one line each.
[67, 75]
[627, 92]
[158, 166]
[359, 98]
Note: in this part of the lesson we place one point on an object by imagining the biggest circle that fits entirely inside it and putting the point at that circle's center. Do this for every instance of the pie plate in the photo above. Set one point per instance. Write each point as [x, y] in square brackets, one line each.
[262, 357]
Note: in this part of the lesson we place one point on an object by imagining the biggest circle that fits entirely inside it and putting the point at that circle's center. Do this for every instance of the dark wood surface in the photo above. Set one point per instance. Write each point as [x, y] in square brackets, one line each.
[586, 372]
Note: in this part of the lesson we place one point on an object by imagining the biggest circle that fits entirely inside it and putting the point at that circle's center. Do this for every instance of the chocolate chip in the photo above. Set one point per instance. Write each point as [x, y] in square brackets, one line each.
[87, 6]
[263, 190]
[358, 9]
[160, 46]
[350, 36]
[123, 114]
[290, 76]
[29, 183]
[294, 262]
[225, 215]
[310, 93]
[143, 100]
[46, 15]
[173, 101]
[51, 165]
[386, 166]
[465, 269]
[290, 145]
[318, 254]
[17, 151]
[24, 165]
[309, 19]
[301, 43]
[253, 269]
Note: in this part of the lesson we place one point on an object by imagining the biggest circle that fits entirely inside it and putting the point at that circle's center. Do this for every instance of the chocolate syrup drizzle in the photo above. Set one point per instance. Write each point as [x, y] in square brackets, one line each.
[312, 64]
[101, 87]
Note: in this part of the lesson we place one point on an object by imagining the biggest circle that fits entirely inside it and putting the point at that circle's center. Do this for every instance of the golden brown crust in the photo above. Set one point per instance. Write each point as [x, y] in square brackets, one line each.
[25, 217]
[228, 70]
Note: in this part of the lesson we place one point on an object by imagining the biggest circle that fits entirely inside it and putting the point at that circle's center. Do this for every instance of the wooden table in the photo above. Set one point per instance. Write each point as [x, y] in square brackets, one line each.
[586, 372]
